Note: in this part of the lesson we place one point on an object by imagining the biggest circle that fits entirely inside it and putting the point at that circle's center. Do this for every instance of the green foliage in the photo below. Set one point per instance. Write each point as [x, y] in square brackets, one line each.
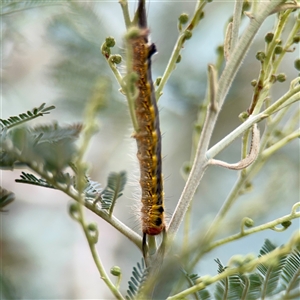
[291, 274]
[199, 295]
[268, 281]
[8, 7]
[79, 72]
[31, 179]
[51, 147]
[271, 273]
[113, 190]
[6, 197]
[24, 117]
[137, 279]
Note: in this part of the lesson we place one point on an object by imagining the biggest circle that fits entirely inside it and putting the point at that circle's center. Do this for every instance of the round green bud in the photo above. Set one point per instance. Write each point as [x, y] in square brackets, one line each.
[249, 222]
[269, 37]
[260, 56]
[248, 186]
[297, 64]
[278, 50]
[110, 42]
[92, 227]
[220, 50]
[246, 5]
[188, 34]
[286, 224]
[105, 50]
[116, 59]
[116, 271]
[186, 168]
[157, 81]
[296, 39]
[183, 18]
[243, 116]
[201, 15]
[73, 208]
[273, 78]
[254, 82]
[281, 77]
[208, 1]
[178, 59]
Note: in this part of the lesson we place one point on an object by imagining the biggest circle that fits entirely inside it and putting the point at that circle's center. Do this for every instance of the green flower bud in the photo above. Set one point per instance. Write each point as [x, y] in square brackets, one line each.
[254, 82]
[186, 167]
[273, 78]
[278, 50]
[260, 56]
[116, 271]
[110, 42]
[243, 116]
[281, 77]
[297, 64]
[92, 227]
[157, 81]
[286, 224]
[246, 5]
[269, 37]
[188, 34]
[116, 59]
[296, 39]
[249, 222]
[220, 50]
[183, 18]
[178, 59]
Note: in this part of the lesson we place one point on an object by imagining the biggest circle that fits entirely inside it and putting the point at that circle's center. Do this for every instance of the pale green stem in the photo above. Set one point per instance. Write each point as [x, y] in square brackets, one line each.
[125, 10]
[113, 221]
[270, 151]
[171, 65]
[288, 44]
[270, 225]
[238, 6]
[88, 132]
[116, 73]
[245, 268]
[200, 163]
[177, 49]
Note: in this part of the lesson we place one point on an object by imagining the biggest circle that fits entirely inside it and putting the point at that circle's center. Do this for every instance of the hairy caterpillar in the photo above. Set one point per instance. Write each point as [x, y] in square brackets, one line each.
[148, 136]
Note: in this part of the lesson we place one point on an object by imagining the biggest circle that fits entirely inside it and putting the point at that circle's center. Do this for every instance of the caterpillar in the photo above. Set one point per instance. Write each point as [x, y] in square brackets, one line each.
[148, 136]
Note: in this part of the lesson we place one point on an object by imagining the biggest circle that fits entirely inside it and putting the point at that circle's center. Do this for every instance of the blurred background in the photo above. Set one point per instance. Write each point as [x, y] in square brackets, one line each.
[51, 53]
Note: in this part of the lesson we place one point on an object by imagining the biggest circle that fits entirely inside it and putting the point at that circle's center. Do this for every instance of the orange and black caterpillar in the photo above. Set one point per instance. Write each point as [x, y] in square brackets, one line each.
[148, 136]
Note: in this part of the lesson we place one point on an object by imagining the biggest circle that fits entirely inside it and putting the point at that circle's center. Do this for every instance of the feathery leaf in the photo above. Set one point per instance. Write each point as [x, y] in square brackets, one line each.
[6, 197]
[137, 279]
[25, 117]
[113, 190]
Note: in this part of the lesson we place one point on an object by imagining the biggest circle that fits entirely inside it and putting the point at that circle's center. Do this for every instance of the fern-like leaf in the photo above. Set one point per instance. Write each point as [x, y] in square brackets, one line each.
[137, 279]
[222, 286]
[200, 295]
[254, 290]
[25, 117]
[291, 274]
[54, 133]
[234, 287]
[271, 273]
[113, 190]
[52, 147]
[80, 71]
[31, 179]
[92, 189]
[6, 197]
[9, 6]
